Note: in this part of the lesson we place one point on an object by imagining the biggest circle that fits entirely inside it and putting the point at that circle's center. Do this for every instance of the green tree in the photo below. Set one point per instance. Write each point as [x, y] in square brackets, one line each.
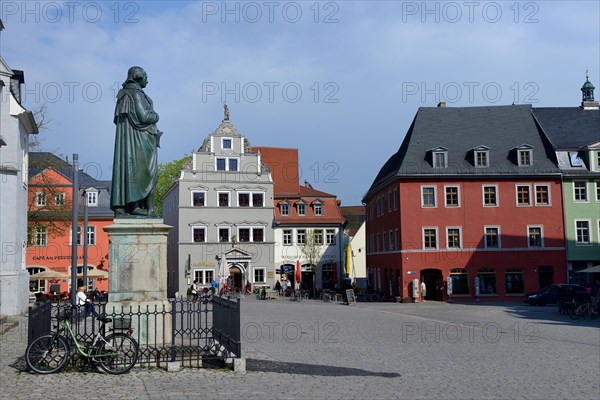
[167, 175]
[312, 251]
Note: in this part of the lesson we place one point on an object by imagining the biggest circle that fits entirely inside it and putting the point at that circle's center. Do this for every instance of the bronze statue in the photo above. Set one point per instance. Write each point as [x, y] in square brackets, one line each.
[135, 162]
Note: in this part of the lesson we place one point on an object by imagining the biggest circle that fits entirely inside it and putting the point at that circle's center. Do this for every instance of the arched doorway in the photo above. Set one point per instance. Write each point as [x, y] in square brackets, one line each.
[434, 283]
[236, 278]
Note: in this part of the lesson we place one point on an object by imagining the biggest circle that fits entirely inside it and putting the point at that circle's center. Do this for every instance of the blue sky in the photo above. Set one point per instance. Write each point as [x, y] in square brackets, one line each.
[340, 81]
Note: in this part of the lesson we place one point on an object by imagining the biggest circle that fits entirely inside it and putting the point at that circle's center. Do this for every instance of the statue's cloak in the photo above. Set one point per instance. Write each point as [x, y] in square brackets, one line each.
[135, 162]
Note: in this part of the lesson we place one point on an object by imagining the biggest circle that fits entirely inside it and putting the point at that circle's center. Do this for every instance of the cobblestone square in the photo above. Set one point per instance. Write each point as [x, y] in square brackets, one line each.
[316, 350]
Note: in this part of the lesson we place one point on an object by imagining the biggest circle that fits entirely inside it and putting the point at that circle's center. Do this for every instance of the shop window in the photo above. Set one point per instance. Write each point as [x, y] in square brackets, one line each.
[460, 281]
[514, 282]
[487, 281]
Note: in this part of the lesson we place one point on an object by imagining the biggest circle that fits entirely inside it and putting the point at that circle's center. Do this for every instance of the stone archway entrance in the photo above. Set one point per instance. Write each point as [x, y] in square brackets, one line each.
[236, 275]
[434, 283]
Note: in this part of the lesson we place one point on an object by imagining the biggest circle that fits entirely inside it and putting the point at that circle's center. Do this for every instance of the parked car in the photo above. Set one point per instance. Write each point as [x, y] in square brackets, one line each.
[557, 293]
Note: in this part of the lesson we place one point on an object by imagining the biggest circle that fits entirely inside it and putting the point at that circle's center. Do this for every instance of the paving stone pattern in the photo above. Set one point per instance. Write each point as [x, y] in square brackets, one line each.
[314, 350]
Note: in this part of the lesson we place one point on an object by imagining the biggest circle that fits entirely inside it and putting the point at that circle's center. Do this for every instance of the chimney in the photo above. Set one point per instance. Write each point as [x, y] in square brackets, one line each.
[441, 104]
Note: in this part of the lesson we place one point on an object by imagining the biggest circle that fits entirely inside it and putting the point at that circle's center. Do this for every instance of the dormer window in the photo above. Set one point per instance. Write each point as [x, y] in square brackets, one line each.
[481, 157]
[284, 208]
[92, 198]
[301, 207]
[226, 143]
[525, 156]
[575, 160]
[439, 157]
[317, 207]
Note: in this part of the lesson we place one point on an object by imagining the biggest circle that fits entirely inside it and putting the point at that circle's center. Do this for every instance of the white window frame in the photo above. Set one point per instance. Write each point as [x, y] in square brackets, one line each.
[330, 236]
[227, 169]
[434, 196]
[223, 139]
[460, 237]
[41, 199]
[536, 186]
[434, 155]
[264, 233]
[249, 199]
[586, 192]
[264, 273]
[522, 151]
[486, 154]
[301, 209]
[589, 229]
[289, 233]
[597, 191]
[40, 236]
[437, 238]
[239, 240]
[60, 199]
[91, 235]
[318, 209]
[199, 227]
[262, 204]
[303, 233]
[497, 227]
[517, 185]
[92, 199]
[319, 237]
[446, 205]
[497, 194]
[198, 192]
[541, 227]
[284, 209]
[228, 198]
[219, 227]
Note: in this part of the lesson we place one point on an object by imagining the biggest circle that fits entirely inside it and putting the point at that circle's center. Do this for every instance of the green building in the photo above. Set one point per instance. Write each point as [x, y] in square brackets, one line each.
[575, 135]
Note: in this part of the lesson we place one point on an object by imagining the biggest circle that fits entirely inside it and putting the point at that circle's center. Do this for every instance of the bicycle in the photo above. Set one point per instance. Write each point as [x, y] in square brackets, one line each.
[115, 353]
[585, 310]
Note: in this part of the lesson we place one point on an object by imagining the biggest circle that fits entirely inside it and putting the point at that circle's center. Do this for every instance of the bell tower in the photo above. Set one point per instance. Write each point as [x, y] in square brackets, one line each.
[587, 95]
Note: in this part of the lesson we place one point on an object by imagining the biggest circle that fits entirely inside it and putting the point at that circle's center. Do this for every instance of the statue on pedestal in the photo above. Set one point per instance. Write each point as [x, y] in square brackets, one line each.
[135, 162]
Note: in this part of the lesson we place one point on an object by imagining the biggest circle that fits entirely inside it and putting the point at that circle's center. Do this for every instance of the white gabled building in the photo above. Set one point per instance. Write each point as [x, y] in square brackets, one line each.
[16, 124]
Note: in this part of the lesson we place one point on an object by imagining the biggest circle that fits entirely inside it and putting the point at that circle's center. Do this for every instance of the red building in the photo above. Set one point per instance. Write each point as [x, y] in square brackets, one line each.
[470, 205]
[303, 214]
[50, 210]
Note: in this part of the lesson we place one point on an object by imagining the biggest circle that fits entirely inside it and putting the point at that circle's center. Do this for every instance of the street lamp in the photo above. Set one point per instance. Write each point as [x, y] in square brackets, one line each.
[84, 235]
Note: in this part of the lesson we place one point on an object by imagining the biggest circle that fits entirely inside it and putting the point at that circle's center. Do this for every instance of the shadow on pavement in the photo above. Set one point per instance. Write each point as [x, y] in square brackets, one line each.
[311, 369]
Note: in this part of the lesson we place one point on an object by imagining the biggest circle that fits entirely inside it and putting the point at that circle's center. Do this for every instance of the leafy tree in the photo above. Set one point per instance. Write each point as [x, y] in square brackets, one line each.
[167, 174]
[55, 215]
[311, 250]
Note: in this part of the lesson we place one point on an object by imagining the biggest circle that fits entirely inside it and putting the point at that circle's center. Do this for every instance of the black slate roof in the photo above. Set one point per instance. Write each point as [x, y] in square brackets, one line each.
[569, 128]
[502, 129]
[39, 161]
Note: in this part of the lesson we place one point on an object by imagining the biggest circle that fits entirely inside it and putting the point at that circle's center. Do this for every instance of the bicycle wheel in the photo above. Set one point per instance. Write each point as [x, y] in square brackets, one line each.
[47, 354]
[576, 313]
[118, 354]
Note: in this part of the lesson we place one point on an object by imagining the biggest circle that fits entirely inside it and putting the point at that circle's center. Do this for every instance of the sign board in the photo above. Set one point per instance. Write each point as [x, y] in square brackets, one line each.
[350, 296]
[449, 285]
[477, 286]
[288, 269]
[411, 272]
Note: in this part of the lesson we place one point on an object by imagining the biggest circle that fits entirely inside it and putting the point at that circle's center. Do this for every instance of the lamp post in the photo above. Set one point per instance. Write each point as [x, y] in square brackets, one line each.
[74, 216]
[84, 238]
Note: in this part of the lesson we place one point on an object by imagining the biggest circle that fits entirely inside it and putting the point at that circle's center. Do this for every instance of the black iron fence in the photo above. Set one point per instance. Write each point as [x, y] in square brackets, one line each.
[197, 334]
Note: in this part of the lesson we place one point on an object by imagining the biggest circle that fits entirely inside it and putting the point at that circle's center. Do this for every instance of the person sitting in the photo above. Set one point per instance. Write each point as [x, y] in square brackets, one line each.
[84, 302]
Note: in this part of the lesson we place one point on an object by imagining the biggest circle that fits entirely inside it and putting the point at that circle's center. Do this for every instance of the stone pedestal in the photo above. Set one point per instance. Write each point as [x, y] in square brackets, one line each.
[137, 254]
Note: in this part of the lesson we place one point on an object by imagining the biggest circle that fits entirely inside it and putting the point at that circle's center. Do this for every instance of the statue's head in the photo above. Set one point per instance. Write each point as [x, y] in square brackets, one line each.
[137, 75]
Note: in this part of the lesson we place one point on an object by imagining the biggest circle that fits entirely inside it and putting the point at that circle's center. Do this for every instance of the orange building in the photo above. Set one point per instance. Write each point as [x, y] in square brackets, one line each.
[49, 231]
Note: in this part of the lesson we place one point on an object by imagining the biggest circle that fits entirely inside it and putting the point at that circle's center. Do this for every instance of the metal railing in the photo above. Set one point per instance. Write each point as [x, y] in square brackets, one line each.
[197, 334]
